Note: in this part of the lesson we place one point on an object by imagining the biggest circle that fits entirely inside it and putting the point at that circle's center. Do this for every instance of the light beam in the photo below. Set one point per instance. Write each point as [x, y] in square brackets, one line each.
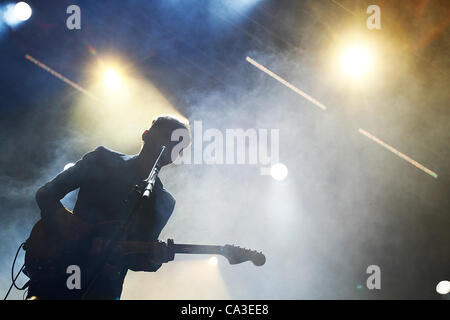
[287, 84]
[60, 76]
[398, 153]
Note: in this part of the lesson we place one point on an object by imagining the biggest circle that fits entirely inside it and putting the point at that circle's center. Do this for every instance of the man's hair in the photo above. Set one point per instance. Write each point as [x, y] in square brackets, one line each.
[168, 124]
[168, 121]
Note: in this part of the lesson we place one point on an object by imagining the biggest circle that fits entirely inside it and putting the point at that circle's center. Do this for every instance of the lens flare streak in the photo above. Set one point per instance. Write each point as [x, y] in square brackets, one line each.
[60, 76]
[287, 84]
[398, 153]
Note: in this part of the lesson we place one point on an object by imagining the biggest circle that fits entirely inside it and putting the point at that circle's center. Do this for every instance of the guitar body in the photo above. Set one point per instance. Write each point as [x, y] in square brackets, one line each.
[48, 254]
[41, 245]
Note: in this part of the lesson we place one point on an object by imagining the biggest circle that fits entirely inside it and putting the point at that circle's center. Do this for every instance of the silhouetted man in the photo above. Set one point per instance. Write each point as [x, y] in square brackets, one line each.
[105, 178]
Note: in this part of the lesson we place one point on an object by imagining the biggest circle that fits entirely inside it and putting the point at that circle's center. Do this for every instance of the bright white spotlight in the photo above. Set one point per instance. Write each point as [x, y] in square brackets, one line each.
[67, 166]
[14, 14]
[22, 11]
[443, 287]
[213, 261]
[356, 60]
[279, 171]
[8, 15]
[111, 78]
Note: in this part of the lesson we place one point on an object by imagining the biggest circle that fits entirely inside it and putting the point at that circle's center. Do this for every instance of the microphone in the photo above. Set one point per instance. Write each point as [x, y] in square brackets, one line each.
[150, 181]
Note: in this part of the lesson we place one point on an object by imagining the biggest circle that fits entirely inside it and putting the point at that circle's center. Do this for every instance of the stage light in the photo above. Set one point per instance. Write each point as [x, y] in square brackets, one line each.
[213, 261]
[14, 14]
[356, 60]
[111, 78]
[234, 7]
[22, 11]
[121, 113]
[287, 84]
[279, 171]
[186, 278]
[67, 166]
[443, 287]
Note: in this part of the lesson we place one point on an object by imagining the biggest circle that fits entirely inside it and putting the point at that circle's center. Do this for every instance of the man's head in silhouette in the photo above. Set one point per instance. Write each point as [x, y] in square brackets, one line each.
[167, 131]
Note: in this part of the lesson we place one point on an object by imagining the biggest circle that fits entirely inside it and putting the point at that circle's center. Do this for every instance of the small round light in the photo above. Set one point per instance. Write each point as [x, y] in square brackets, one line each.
[279, 171]
[443, 287]
[67, 166]
[22, 11]
[212, 261]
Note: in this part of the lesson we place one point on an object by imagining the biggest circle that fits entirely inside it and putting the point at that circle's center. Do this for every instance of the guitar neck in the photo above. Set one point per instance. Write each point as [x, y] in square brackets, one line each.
[232, 253]
[196, 249]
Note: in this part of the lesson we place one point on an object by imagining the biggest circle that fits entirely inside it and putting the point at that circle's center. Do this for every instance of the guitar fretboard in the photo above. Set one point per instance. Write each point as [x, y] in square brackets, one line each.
[196, 248]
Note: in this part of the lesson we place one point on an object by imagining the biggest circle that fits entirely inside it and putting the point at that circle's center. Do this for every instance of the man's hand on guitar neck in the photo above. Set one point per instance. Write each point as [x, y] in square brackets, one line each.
[141, 256]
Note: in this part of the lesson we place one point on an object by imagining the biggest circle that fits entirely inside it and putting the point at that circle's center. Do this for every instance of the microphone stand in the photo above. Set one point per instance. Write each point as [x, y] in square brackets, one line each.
[144, 192]
[151, 179]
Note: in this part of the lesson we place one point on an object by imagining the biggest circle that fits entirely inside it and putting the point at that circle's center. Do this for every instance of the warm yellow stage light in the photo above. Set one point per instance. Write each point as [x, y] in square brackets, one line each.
[111, 78]
[125, 106]
[356, 60]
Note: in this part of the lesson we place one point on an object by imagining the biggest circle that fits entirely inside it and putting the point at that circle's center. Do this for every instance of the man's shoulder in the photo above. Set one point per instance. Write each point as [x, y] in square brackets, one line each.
[102, 153]
[108, 152]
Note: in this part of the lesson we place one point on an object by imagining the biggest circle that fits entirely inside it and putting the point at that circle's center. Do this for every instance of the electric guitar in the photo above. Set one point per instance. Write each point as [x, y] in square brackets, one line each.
[46, 253]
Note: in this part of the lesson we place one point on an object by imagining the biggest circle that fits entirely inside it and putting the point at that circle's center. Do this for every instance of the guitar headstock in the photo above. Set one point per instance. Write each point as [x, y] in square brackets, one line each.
[236, 255]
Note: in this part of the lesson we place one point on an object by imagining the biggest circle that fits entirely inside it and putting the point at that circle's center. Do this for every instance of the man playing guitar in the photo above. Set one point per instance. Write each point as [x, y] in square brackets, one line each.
[104, 179]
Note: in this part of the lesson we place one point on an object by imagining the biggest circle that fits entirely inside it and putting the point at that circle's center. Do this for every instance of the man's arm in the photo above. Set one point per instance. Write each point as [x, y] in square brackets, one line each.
[54, 215]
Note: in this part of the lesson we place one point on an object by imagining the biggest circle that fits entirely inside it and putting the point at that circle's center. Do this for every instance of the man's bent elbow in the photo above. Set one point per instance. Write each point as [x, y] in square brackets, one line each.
[41, 196]
[45, 199]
